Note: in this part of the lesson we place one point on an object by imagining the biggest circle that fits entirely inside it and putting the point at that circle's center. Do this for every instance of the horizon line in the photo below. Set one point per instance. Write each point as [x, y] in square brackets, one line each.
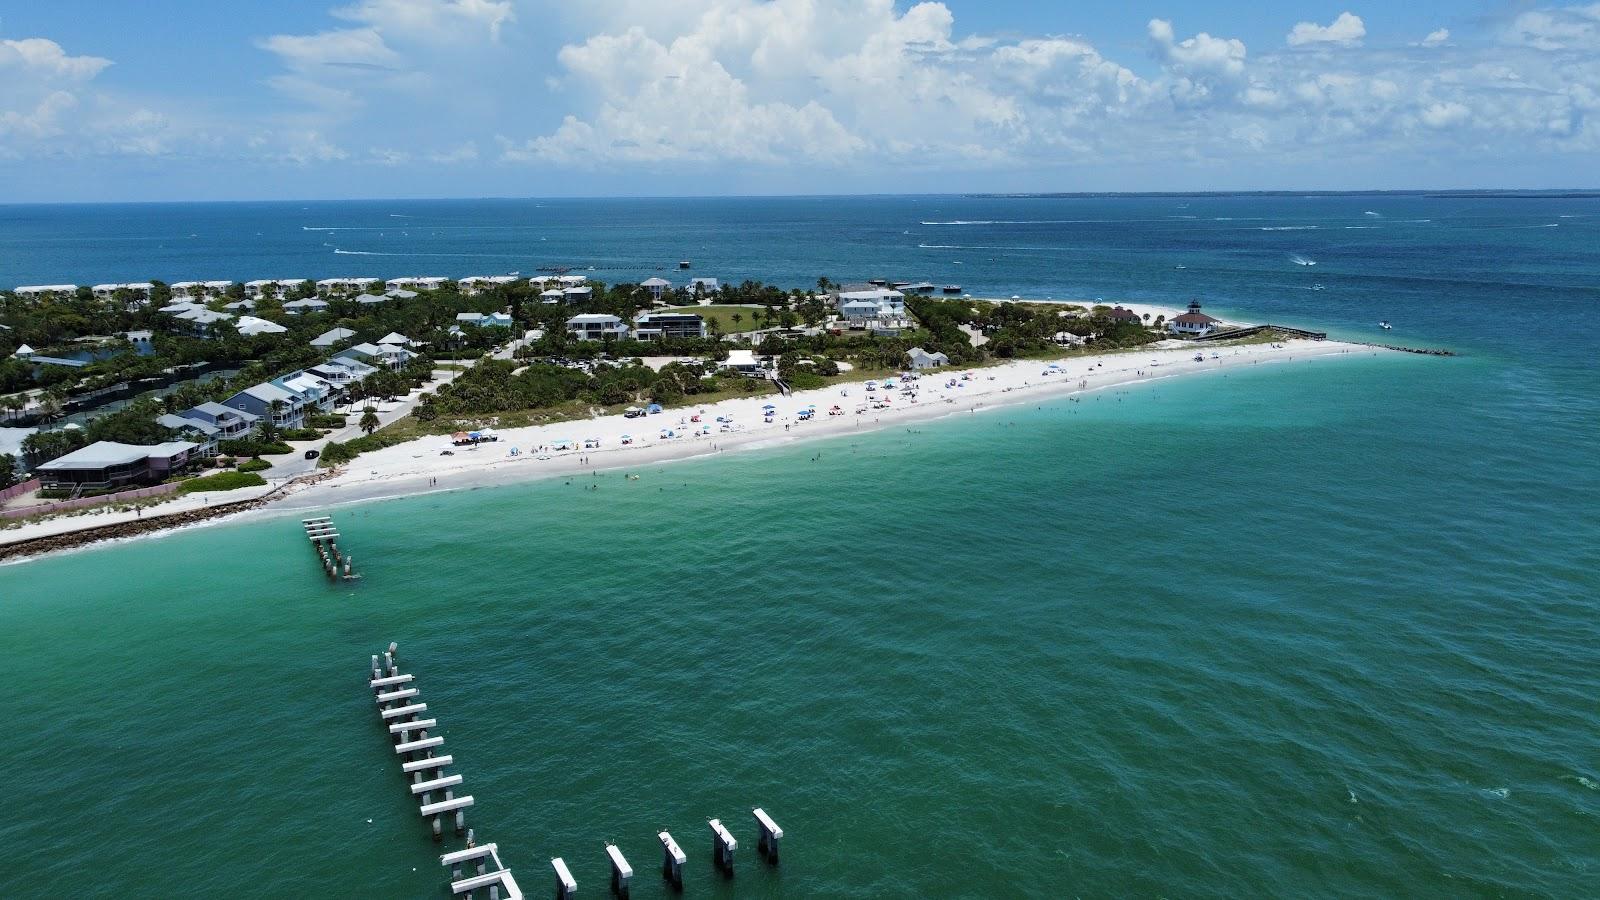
[1568, 192]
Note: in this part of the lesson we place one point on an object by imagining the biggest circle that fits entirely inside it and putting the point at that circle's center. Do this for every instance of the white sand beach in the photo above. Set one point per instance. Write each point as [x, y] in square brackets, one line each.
[547, 451]
[741, 424]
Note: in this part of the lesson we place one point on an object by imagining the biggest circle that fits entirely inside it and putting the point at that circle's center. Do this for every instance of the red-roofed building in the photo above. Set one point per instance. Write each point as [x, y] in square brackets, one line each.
[1193, 323]
[1118, 314]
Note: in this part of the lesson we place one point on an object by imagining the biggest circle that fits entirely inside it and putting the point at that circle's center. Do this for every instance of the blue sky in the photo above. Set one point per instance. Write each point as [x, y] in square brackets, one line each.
[173, 99]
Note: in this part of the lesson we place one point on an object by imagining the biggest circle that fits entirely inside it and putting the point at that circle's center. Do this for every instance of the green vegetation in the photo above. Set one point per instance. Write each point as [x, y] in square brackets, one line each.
[222, 481]
[337, 454]
[298, 434]
[253, 447]
[326, 421]
[254, 465]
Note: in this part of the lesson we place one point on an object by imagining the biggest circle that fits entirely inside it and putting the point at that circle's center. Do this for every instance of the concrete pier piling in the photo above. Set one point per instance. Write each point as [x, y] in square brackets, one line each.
[566, 885]
[324, 538]
[722, 846]
[621, 872]
[429, 782]
[672, 860]
[770, 834]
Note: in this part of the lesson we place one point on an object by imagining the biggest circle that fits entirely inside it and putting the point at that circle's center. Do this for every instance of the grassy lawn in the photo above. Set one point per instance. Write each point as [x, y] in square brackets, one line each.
[724, 316]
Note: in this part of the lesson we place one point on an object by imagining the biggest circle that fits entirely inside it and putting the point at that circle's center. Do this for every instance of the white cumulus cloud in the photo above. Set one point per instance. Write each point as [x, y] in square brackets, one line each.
[1347, 31]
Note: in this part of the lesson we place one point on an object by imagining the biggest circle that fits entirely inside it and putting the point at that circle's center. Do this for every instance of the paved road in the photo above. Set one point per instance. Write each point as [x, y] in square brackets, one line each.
[388, 413]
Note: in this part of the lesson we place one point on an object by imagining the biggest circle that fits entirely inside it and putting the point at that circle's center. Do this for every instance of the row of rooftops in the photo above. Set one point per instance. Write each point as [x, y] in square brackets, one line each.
[259, 286]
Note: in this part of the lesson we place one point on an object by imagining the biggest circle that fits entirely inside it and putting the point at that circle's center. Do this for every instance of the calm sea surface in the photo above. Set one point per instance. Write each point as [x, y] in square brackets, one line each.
[1320, 628]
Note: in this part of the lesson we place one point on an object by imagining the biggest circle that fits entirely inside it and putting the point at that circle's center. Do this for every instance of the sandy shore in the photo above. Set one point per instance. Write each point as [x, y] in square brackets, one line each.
[420, 466]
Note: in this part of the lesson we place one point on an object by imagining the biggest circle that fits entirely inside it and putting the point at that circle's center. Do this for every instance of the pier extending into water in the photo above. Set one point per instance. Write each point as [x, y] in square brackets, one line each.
[403, 716]
[324, 538]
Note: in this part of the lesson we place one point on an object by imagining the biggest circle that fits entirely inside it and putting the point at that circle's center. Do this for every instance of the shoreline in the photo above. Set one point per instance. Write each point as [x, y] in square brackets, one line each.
[419, 467]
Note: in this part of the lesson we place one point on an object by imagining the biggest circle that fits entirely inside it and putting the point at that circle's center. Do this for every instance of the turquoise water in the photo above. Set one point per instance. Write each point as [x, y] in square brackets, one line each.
[1316, 628]
[1198, 637]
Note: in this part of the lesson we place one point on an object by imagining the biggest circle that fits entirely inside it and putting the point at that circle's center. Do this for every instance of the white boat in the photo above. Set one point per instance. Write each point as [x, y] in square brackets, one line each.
[1385, 326]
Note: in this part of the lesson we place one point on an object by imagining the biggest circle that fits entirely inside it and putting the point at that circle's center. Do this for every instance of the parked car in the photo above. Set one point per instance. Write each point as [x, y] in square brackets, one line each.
[312, 454]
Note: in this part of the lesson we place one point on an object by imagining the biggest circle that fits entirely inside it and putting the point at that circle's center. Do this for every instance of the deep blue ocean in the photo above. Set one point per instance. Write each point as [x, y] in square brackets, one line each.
[1321, 628]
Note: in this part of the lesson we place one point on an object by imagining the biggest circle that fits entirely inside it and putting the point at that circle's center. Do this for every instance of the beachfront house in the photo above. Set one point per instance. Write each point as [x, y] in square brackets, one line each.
[1118, 314]
[45, 291]
[259, 400]
[417, 283]
[596, 327]
[702, 287]
[107, 465]
[231, 423]
[877, 303]
[196, 431]
[1193, 323]
[669, 325]
[922, 359]
[332, 336]
[308, 305]
[329, 286]
[475, 284]
[269, 287]
[137, 291]
[199, 290]
[743, 362]
[656, 287]
[316, 394]
[250, 326]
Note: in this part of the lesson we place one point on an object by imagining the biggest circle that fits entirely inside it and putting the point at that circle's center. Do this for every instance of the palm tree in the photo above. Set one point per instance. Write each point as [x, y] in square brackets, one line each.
[737, 318]
[369, 420]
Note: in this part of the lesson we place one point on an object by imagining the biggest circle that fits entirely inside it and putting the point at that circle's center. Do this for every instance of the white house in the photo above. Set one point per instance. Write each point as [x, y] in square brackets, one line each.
[706, 286]
[332, 336]
[199, 289]
[578, 294]
[345, 285]
[45, 291]
[401, 295]
[262, 287]
[140, 290]
[552, 296]
[878, 303]
[473, 284]
[308, 305]
[742, 361]
[1193, 323]
[596, 326]
[417, 283]
[656, 287]
[485, 320]
[250, 326]
[371, 299]
[922, 359]
[570, 280]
